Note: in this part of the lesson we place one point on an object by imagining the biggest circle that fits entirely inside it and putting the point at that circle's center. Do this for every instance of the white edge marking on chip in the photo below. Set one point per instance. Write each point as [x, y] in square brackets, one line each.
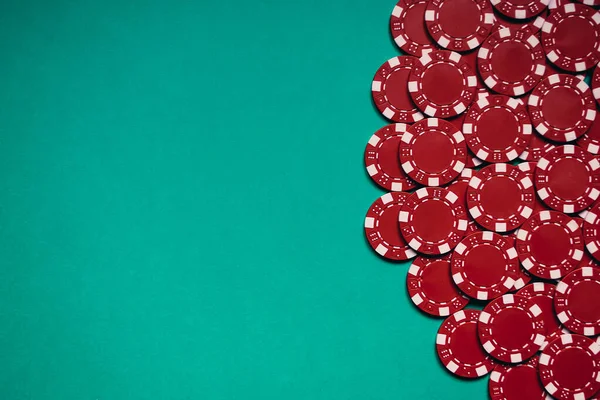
[381, 249]
[403, 216]
[484, 317]
[474, 182]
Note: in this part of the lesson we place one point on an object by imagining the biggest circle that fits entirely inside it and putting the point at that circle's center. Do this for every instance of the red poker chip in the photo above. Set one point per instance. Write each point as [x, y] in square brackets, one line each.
[536, 148]
[390, 91]
[459, 26]
[542, 294]
[511, 328]
[431, 289]
[442, 84]
[408, 29]
[519, 9]
[591, 231]
[571, 37]
[458, 346]
[511, 62]
[381, 227]
[549, 244]
[532, 25]
[433, 220]
[567, 179]
[500, 197]
[590, 140]
[576, 301]
[516, 382]
[433, 152]
[569, 367]
[561, 107]
[497, 128]
[382, 162]
[484, 265]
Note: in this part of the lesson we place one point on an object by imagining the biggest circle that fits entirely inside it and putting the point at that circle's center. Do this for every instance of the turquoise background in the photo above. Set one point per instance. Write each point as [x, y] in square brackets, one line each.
[182, 194]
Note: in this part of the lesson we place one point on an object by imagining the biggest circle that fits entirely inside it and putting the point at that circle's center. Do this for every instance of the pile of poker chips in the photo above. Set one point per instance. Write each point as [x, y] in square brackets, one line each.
[492, 171]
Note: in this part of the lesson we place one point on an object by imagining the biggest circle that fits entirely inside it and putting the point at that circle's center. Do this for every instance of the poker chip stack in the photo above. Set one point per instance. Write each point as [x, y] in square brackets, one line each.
[492, 176]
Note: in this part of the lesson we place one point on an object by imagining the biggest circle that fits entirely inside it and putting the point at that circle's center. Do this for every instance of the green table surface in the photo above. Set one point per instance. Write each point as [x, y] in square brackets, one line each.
[182, 195]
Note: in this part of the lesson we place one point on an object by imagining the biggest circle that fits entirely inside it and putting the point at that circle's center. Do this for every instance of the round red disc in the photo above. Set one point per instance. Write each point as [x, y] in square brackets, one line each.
[497, 128]
[542, 294]
[569, 367]
[511, 62]
[519, 9]
[433, 152]
[561, 107]
[576, 301]
[382, 162]
[433, 220]
[532, 25]
[459, 187]
[571, 37]
[408, 29]
[458, 346]
[590, 140]
[431, 289]
[442, 84]
[484, 265]
[591, 231]
[511, 328]
[500, 197]
[536, 148]
[516, 382]
[459, 25]
[390, 90]
[550, 245]
[567, 179]
[381, 227]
